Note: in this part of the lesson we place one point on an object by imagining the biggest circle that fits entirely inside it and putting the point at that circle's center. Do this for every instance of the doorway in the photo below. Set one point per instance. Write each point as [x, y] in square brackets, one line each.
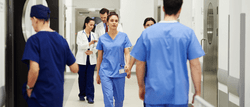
[210, 60]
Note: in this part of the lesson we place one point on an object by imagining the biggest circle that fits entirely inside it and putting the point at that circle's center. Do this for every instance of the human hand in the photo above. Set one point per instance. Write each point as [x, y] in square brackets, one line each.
[128, 71]
[194, 97]
[93, 41]
[142, 92]
[29, 91]
[88, 52]
[98, 80]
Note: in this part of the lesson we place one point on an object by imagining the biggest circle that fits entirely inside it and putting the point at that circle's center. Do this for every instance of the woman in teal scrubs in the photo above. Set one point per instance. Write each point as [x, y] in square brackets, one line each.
[111, 68]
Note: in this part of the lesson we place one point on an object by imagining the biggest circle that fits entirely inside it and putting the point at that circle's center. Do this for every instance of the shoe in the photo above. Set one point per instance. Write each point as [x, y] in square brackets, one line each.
[82, 99]
[90, 100]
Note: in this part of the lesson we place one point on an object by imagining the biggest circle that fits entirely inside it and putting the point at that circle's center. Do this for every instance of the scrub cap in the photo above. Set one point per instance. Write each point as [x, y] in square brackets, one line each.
[40, 12]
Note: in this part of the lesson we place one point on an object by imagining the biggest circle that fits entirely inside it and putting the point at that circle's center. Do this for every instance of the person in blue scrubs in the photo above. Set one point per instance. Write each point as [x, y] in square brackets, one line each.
[86, 59]
[111, 68]
[166, 47]
[46, 53]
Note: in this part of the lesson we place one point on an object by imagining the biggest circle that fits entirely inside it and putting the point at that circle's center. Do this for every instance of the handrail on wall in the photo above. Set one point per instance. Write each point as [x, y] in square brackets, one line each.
[200, 102]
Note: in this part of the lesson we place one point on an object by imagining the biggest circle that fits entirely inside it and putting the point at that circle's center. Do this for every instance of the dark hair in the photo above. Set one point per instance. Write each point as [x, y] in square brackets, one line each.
[103, 11]
[87, 20]
[148, 19]
[172, 6]
[111, 14]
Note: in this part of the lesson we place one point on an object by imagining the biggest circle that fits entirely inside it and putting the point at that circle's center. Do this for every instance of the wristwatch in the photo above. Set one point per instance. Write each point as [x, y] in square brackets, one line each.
[28, 87]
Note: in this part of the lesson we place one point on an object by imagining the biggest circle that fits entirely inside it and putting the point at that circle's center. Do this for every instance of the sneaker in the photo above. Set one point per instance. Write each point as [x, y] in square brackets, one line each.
[90, 100]
[82, 99]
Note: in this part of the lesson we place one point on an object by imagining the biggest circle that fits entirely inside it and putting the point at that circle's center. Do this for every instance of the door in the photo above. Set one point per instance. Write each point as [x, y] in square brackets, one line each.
[210, 60]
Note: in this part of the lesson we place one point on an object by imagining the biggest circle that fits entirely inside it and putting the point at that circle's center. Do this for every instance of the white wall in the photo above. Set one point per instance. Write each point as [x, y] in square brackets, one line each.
[186, 13]
[245, 9]
[223, 34]
[132, 16]
[2, 41]
[234, 67]
[61, 17]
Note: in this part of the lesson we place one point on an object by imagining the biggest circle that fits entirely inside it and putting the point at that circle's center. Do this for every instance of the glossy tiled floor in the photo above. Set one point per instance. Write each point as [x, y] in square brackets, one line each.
[71, 93]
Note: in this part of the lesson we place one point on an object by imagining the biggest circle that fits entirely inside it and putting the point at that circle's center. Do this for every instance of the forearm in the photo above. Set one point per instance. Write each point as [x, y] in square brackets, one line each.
[32, 77]
[140, 73]
[132, 62]
[127, 55]
[99, 61]
[196, 75]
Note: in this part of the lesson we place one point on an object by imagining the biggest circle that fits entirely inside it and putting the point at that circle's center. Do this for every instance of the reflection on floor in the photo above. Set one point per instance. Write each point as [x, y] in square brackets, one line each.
[71, 93]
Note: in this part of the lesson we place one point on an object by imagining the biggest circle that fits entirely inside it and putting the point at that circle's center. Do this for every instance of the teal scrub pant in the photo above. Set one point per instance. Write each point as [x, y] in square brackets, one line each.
[165, 105]
[113, 88]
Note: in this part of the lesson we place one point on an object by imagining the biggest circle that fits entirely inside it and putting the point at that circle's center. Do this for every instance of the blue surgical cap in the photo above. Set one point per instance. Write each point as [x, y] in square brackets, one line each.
[40, 12]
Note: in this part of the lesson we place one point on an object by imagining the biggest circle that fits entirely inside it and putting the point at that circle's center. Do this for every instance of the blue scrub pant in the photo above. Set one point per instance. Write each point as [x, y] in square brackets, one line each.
[113, 88]
[86, 80]
[165, 105]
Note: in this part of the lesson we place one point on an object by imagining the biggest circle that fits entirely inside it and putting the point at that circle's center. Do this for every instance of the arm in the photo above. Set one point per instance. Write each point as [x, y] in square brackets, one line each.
[196, 76]
[74, 68]
[127, 58]
[140, 73]
[132, 62]
[32, 75]
[81, 42]
[99, 61]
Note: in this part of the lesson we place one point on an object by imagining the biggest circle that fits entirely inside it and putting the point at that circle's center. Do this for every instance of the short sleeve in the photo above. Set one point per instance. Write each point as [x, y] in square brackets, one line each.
[194, 48]
[31, 51]
[99, 45]
[127, 42]
[70, 57]
[139, 50]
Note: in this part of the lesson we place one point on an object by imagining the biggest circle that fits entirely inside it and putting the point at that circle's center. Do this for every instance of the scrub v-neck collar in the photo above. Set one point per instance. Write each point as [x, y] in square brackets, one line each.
[115, 36]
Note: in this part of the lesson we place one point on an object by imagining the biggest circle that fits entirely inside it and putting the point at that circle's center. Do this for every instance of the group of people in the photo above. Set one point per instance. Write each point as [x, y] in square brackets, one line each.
[160, 53]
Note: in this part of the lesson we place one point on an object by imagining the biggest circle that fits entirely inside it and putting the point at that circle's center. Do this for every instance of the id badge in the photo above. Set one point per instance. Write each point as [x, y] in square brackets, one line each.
[121, 71]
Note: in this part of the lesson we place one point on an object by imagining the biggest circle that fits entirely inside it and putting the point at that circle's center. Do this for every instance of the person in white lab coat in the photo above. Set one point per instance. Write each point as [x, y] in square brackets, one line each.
[102, 28]
[86, 59]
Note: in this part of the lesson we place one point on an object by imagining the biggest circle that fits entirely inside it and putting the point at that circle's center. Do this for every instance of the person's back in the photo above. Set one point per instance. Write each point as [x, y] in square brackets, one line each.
[53, 51]
[46, 53]
[166, 47]
[170, 40]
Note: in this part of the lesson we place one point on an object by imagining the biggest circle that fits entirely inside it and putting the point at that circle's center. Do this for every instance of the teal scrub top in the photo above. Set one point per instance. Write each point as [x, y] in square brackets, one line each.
[166, 47]
[113, 54]
[51, 51]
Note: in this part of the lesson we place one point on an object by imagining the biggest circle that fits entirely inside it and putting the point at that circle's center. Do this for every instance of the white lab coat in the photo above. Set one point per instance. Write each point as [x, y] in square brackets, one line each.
[83, 46]
[99, 30]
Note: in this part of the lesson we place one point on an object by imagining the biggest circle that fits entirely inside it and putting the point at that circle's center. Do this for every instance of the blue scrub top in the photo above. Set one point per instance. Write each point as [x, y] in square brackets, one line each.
[51, 51]
[166, 47]
[113, 54]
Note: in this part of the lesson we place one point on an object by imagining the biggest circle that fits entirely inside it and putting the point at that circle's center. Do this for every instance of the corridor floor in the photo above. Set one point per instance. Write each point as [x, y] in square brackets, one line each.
[71, 93]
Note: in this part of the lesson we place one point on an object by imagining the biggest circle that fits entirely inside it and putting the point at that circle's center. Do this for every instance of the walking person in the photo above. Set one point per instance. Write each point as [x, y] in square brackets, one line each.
[86, 59]
[46, 53]
[111, 68]
[166, 47]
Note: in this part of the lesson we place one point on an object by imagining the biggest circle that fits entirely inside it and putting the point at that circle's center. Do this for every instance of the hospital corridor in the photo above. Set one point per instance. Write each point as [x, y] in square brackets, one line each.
[84, 61]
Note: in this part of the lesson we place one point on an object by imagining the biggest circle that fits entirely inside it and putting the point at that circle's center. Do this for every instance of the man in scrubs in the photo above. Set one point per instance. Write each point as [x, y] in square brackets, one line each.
[46, 53]
[166, 47]
[102, 27]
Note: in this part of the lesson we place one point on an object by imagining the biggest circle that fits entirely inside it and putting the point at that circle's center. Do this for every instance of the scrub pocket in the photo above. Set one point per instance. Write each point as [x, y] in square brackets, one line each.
[24, 92]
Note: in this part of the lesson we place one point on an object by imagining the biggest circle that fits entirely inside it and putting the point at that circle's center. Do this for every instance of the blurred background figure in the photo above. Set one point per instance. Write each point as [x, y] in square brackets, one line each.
[86, 59]
[148, 22]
